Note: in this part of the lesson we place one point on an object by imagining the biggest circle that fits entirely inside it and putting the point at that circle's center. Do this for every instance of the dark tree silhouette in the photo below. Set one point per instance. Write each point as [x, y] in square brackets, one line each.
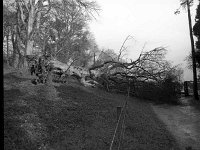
[187, 4]
[196, 30]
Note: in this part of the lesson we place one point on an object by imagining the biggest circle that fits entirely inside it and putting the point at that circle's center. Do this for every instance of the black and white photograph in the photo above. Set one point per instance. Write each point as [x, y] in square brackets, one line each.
[101, 74]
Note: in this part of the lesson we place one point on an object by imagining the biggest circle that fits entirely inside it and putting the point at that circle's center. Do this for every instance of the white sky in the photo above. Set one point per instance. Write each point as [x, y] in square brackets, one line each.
[150, 21]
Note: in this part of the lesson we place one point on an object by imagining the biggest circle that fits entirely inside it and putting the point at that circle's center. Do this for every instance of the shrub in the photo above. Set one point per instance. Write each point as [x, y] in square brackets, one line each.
[165, 91]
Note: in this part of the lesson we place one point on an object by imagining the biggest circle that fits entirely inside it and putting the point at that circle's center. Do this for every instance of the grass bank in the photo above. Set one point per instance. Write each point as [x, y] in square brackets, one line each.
[73, 117]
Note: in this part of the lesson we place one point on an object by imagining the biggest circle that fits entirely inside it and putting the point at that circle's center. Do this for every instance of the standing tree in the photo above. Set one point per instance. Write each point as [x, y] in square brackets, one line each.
[196, 30]
[10, 32]
[67, 31]
[187, 4]
[31, 12]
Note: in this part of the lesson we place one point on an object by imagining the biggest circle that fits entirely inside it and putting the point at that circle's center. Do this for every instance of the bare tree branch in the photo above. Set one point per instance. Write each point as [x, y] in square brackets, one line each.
[122, 47]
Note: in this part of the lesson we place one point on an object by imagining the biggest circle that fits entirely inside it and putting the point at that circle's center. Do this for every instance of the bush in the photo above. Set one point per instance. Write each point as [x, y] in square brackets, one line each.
[165, 91]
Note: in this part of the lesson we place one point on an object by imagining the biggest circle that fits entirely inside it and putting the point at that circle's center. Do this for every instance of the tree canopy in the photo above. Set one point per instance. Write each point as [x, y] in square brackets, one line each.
[56, 28]
[196, 30]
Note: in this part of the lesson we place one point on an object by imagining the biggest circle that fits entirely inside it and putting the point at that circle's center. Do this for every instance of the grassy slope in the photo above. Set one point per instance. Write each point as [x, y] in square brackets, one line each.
[74, 117]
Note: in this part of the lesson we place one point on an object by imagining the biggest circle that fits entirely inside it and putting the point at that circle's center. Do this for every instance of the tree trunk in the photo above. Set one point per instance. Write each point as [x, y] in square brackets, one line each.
[29, 47]
[94, 59]
[195, 88]
[20, 61]
[15, 46]
[29, 42]
[7, 42]
[14, 58]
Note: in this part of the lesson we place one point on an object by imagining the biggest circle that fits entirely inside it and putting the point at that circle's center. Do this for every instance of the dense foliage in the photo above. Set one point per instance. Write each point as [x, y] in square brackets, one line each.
[44, 27]
[196, 30]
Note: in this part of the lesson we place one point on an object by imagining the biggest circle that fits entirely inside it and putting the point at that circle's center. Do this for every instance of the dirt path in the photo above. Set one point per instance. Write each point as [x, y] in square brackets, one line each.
[183, 122]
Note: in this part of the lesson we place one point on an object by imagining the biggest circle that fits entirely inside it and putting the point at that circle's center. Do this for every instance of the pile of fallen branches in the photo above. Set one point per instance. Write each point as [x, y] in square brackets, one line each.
[150, 66]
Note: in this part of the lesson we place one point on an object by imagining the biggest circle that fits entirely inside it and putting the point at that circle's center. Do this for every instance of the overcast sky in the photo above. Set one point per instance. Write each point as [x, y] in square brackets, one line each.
[150, 21]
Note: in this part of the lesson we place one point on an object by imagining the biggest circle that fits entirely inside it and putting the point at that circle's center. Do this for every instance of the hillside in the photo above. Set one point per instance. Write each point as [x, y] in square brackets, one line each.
[71, 116]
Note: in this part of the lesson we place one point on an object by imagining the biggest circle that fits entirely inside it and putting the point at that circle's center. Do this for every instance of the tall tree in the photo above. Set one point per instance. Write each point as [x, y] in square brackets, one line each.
[196, 30]
[187, 4]
[30, 14]
[9, 22]
[66, 30]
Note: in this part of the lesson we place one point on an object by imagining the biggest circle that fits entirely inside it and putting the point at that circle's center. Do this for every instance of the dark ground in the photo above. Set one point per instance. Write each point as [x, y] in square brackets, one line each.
[182, 120]
[73, 117]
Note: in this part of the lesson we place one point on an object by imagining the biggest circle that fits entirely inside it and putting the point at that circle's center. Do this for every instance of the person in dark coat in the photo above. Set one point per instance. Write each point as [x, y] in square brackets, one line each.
[32, 69]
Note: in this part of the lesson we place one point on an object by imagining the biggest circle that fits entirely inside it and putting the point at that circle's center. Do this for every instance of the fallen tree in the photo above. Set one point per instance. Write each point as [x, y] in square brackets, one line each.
[150, 67]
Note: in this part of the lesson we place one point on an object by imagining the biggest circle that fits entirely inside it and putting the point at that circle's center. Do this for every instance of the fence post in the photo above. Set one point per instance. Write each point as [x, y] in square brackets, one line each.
[186, 88]
[119, 109]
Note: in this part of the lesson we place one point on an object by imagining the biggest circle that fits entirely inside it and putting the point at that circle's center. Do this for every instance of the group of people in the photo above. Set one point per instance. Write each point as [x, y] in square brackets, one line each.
[40, 68]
